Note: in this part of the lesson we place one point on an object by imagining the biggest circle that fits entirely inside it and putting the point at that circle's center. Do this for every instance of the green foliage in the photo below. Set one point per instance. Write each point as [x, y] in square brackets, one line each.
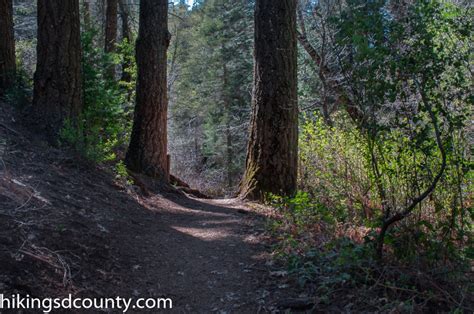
[296, 217]
[125, 55]
[121, 173]
[103, 125]
[121, 169]
[403, 163]
[413, 89]
[333, 168]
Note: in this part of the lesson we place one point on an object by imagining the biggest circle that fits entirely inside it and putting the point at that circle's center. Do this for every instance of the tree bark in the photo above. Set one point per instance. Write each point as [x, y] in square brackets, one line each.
[147, 153]
[124, 17]
[111, 25]
[271, 165]
[7, 46]
[58, 79]
[86, 14]
[227, 116]
[126, 34]
[111, 33]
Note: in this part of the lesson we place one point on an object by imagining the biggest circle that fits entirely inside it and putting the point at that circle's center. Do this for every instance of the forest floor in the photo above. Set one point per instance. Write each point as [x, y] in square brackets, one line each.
[70, 226]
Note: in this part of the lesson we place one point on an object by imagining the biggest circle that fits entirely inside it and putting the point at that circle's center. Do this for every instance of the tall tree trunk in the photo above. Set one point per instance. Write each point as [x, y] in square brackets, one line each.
[58, 81]
[100, 9]
[125, 19]
[111, 32]
[228, 135]
[111, 25]
[7, 46]
[227, 115]
[147, 153]
[126, 34]
[271, 164]
[86, 14]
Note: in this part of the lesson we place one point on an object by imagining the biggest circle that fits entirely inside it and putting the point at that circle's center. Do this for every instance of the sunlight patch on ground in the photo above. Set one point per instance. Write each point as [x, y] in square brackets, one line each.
[205, 234]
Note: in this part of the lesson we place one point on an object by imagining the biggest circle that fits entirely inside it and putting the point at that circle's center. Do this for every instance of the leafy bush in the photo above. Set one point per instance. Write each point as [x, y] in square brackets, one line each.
[401, 164]
[333, 168]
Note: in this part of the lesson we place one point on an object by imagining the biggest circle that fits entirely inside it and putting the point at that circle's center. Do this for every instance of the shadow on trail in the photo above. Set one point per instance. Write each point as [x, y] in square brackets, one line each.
[75, 221]
[195, 252]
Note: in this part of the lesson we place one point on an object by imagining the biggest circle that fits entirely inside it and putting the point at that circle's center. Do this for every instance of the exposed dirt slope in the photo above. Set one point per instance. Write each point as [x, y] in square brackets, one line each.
[67, 226]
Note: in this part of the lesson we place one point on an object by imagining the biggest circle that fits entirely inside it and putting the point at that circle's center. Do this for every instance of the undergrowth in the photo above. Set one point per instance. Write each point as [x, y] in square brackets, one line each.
[336, 262]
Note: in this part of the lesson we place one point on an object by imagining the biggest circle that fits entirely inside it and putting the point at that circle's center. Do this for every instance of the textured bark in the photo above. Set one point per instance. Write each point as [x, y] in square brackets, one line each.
[126, 34]
[147, 153]
[57, 80]
[111, 33]
[124, 17]
[271, 164]
[7, 46]
[86, 14]
[111, 25]
[228, 133]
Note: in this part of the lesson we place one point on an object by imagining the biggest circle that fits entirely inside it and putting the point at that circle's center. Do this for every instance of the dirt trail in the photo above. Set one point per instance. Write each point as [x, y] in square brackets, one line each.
[204, 254]
[68, 226]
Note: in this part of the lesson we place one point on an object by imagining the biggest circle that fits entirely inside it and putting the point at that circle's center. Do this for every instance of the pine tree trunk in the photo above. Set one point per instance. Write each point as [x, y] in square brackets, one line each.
[111, 25]
[229, 153]
[124, 17]
[58, 80]
[227, 116]
[147, 153]
[86, 14]
[271, 164]
[126, 34]
[111, 33]
[7, 46]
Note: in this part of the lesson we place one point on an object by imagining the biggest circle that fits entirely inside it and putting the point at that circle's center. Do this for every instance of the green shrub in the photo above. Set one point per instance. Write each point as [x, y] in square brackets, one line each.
[104, 124]
[333, 168]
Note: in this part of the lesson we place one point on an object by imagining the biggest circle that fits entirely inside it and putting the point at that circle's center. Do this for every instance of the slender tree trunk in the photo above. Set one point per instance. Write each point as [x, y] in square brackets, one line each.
[111, 33]
[271, 164]
[228, 133]
[126, 34]
[125, 19]
[7, 46]
[100, 8]
[147, 153]
[86, 14]
[111, 25]
[57, 80]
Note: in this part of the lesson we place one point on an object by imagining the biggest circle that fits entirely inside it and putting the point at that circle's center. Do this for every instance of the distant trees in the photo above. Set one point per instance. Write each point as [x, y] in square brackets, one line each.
[7, 45]
[57, 92]
[210, 92]
[273, 150]
[147, 153]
